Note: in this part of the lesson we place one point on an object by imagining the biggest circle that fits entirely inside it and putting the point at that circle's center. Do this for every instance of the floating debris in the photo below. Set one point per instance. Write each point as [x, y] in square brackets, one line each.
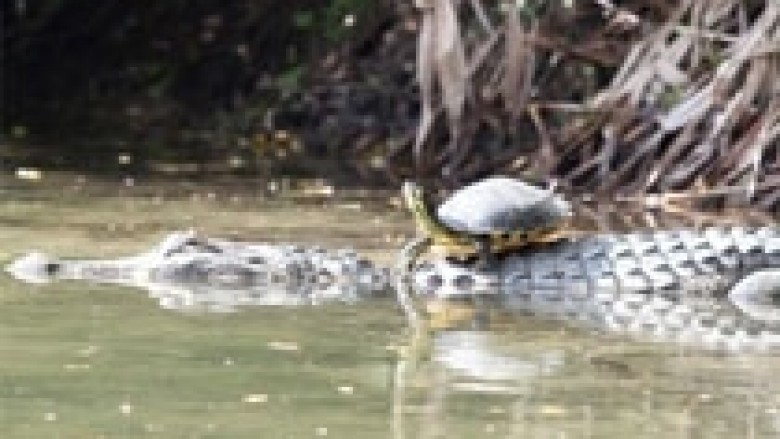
[31, 174]
[124, 159]
[236, 162]
[349, 206]
[72, 367]
[552, 410]
[88, 351]
[497, 410]
[319, 188]
[288, 346]
[255, 398]
[126, 408]
[346, 390]
[154, 428]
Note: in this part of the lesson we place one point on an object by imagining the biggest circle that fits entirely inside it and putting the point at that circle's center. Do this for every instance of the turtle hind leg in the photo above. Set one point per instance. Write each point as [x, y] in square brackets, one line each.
[461, 260]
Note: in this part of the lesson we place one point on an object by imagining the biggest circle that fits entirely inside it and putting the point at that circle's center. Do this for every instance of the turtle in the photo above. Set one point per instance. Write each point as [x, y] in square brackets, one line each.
[483, 219]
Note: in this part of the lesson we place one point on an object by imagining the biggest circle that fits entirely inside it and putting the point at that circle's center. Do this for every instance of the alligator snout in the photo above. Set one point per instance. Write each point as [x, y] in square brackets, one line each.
[35, 267]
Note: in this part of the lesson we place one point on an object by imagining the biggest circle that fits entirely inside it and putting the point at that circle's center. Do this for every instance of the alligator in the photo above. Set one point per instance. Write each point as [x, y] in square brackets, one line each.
[717, 287]
[187, 271]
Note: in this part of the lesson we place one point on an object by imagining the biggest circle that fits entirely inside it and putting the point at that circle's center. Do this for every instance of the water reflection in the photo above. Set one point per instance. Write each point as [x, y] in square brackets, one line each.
[513, 376]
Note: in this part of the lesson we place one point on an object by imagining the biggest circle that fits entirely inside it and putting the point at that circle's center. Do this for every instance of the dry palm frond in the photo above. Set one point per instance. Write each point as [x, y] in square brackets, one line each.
[694, 102]
[441, 61]
[713, 107]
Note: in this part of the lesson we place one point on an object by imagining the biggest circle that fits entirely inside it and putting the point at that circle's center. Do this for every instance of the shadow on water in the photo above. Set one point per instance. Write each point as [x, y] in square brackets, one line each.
[323, 357]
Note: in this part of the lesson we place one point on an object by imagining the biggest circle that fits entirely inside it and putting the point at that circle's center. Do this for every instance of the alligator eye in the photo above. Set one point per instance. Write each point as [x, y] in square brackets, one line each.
[463, 281]
[51, 268]
[434, 281]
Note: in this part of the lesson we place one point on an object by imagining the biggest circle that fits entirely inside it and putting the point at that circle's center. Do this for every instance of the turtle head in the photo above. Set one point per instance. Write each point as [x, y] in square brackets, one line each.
[417, 201]
[414, 196]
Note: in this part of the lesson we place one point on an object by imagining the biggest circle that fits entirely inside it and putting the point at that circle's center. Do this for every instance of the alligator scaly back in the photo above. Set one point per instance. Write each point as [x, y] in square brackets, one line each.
[663, 285]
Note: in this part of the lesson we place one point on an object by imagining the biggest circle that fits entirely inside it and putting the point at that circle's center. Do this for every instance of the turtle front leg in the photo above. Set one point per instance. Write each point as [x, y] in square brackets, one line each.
[486, 258]
[410, 253]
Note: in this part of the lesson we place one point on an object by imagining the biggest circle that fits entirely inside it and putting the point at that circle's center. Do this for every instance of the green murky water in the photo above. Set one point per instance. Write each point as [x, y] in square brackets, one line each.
[86, 361]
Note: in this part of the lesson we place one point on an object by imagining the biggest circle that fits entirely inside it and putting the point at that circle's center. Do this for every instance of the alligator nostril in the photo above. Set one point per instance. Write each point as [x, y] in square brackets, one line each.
[51, 268]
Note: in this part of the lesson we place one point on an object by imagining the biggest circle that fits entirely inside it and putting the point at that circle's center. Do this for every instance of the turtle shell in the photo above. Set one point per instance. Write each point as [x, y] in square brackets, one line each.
[502, 205]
